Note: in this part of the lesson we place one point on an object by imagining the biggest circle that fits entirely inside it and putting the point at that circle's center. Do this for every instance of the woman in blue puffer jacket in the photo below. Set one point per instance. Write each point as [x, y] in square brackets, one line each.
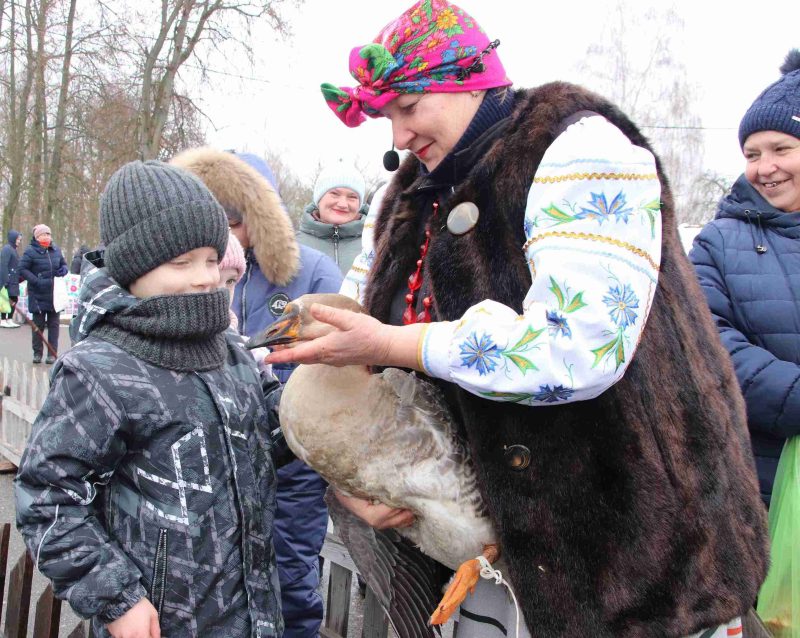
[41, 263]
[748, 263]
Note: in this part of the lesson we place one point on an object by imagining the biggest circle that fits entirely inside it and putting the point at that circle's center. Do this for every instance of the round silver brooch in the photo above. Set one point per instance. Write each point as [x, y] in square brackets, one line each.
[462, 218]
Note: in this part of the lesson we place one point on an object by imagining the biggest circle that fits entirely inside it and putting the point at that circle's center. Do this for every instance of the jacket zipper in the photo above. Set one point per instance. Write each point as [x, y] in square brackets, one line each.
[159, 587]
[225, 418]
[336, 244]
[248, 269]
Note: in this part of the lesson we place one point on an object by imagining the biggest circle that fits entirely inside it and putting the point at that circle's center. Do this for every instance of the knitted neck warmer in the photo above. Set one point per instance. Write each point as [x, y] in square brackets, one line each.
[178, 332]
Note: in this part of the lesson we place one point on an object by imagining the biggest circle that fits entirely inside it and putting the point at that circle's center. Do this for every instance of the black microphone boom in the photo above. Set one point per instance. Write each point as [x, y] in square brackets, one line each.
[391, 160]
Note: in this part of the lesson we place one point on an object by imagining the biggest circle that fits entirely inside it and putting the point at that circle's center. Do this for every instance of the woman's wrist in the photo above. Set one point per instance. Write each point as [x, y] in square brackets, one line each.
[404, 346]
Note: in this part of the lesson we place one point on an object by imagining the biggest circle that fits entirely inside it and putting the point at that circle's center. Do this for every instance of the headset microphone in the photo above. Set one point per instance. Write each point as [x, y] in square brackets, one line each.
[391, 160]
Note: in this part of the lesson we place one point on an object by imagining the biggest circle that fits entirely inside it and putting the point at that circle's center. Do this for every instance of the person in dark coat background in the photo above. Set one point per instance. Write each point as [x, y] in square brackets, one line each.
[9, 276]
[748, 263]
[77, 259]
[41, 263]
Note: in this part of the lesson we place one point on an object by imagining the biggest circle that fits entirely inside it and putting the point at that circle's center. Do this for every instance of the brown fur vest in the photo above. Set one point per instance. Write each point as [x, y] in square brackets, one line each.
[639, 513]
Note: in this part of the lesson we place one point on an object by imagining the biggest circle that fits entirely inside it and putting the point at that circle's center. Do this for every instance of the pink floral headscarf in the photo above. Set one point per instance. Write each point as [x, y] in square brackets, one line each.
[434, 47]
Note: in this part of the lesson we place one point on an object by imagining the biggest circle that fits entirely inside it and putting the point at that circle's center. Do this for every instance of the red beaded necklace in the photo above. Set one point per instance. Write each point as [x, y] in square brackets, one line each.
[410, 314]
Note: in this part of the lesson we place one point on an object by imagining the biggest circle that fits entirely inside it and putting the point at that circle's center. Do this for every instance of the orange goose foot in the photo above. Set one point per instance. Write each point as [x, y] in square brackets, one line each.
[463, 583]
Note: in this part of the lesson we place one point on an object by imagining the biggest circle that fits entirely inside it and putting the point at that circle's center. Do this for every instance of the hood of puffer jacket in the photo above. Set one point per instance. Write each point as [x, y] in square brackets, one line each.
[12, 238]
[99, 297]
[745, 204]
[744, 200]
[313, 226]
[241, 188]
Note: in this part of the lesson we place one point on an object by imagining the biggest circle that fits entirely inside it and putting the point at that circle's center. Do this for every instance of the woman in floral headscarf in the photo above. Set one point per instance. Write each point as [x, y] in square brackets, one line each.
[520, 251]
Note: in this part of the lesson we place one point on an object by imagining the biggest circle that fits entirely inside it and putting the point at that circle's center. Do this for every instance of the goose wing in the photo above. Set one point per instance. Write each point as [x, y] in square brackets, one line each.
[407, 584]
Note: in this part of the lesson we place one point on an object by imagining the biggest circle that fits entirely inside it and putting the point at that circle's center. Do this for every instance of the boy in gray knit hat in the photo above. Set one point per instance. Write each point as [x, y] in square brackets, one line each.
[147, 490]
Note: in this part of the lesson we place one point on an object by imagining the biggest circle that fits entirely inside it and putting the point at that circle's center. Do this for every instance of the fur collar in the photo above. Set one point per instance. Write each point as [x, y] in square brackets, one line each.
[238, 186]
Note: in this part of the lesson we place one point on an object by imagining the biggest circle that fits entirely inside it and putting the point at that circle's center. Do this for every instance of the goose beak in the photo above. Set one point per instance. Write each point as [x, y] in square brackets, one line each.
[285, 330]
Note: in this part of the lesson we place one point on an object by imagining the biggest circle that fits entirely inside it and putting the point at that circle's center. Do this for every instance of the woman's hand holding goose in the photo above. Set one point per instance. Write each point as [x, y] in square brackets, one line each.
[352, 338]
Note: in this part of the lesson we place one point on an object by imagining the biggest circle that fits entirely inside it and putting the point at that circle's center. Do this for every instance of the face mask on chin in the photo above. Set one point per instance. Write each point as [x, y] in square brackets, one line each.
[43, 242]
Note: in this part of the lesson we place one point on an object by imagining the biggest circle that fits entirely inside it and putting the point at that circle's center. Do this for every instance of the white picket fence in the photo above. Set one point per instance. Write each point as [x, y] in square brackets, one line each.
[24, 388]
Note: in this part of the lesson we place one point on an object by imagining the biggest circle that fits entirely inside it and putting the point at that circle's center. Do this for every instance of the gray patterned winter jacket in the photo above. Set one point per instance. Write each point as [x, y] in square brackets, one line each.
[140, 481]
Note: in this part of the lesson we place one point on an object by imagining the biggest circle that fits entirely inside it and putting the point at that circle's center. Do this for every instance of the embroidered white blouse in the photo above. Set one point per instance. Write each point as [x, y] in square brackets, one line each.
[593, 229]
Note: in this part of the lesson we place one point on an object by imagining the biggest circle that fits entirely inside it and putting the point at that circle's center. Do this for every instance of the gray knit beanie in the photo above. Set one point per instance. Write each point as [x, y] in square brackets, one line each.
[778, 106]
[151, 212]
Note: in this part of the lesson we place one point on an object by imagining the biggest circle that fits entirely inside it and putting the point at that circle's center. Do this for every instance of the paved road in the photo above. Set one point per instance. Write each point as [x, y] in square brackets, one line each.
[16, 342]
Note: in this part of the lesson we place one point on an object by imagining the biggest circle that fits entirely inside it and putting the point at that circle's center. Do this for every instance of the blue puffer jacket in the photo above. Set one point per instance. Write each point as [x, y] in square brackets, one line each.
[748, 263]
[302, 517]
[9, 265]
[39, 266]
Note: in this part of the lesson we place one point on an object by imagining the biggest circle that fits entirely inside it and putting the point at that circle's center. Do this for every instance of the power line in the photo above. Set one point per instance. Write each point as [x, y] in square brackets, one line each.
[695, 128]
[232, 75]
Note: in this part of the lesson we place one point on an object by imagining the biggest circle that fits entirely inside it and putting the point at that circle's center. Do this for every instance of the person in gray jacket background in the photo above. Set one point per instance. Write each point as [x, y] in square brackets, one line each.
[334, 221]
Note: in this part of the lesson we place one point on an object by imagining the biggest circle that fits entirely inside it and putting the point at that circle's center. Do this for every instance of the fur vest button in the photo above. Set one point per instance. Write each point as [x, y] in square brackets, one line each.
[462, 218]
[518, 457]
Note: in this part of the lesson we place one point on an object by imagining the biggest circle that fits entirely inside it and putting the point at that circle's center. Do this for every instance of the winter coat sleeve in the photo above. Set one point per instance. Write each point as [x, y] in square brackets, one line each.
[5, 261]
[326, 275]
[75, 266]
[770, 386]
[77, 441]
[273, 390]
[25, 266]
[62, 265]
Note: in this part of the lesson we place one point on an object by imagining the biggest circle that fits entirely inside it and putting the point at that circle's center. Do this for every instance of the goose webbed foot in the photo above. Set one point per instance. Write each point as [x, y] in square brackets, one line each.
[463, 583]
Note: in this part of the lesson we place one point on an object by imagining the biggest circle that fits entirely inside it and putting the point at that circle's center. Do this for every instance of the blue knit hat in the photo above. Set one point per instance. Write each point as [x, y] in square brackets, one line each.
[778, 107]
[342, 175]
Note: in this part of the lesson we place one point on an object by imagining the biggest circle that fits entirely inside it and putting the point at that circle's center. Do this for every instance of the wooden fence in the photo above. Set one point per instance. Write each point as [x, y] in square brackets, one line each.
[47, 611]
[24, 389]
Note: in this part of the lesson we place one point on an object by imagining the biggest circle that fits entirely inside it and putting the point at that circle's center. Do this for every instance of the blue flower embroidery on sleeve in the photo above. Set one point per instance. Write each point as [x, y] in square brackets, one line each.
[558, 324]
[622, 302]
[482, 354]
[551, 395]
[600, 210]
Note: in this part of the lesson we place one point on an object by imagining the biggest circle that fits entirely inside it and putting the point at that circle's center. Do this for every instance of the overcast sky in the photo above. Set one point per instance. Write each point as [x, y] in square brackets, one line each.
[730, 55]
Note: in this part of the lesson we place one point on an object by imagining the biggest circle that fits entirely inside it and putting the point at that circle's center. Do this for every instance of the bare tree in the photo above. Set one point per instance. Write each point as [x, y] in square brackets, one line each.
[37, 64]
[183, 25]
[54, 171]
[294, 191]
[84, 91]
[705, 193]
[635, 64]
[18, 98]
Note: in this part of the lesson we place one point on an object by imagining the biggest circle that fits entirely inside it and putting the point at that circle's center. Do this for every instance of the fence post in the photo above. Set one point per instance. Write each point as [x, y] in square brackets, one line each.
[376, 625]
[47, 615]
[337, 614]
[19, 598]
[5, 534]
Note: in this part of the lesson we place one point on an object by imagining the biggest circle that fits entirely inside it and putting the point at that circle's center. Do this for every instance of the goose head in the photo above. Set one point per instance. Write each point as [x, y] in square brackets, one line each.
[297, 325]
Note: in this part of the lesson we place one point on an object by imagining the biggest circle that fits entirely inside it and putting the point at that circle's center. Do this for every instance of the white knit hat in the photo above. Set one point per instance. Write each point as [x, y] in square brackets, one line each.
[339, 174]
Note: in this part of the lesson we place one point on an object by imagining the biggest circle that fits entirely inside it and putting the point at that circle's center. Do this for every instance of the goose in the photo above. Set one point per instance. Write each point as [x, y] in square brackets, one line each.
[387, 437]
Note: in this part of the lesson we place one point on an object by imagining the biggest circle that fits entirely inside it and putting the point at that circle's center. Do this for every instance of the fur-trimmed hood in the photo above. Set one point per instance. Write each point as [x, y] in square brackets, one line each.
[240, 188]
